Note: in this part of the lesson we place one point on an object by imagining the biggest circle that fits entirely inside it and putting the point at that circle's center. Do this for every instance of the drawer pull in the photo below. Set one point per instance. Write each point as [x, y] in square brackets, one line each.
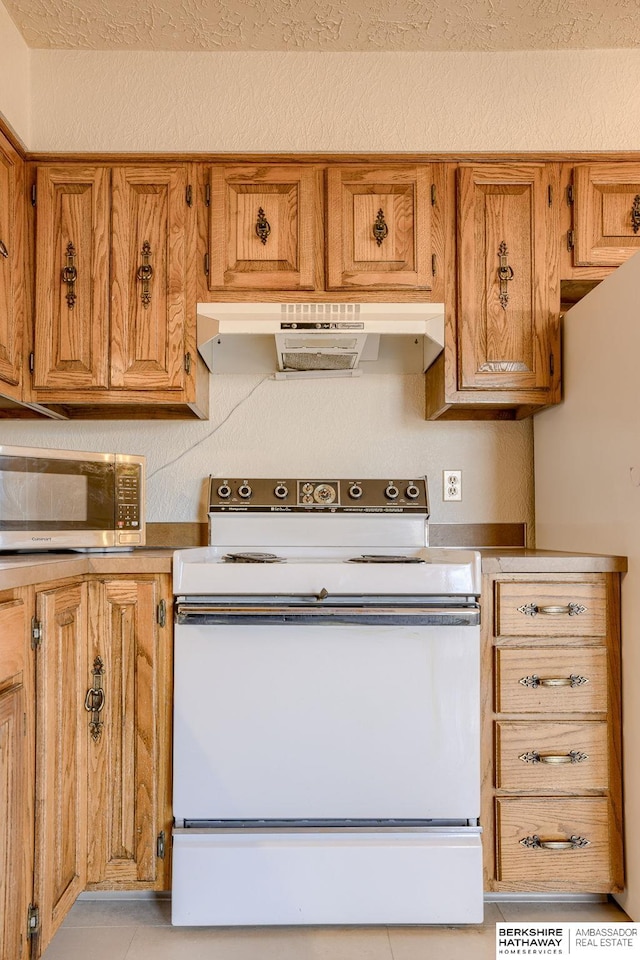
[572, 681]
[532, 610]
[574, 756]
[573, 843]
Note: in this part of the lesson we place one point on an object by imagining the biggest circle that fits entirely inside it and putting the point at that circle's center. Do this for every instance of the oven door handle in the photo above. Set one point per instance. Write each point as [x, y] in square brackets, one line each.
[210, 613]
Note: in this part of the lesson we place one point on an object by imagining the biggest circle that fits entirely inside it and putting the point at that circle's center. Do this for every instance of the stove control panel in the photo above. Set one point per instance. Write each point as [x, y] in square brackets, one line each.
[313, 494]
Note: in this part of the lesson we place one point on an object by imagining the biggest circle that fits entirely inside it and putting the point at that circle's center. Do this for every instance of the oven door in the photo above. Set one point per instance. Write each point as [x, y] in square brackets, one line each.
[326, 715]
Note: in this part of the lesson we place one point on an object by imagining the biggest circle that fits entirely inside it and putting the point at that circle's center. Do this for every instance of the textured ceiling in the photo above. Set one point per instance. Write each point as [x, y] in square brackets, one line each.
[341, 25]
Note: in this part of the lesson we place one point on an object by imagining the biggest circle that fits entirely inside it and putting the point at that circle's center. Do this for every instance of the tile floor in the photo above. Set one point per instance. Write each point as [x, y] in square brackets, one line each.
[141, 930]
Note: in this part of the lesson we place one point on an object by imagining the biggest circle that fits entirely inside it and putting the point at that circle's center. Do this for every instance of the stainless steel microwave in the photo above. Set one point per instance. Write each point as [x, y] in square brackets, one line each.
[69, 499]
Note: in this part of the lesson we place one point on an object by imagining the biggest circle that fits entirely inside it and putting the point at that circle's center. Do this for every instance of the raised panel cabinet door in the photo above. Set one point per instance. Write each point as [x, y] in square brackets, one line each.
[503, 271]
[72, 278]
[264, 227]
[127, 738]
[379, 228]
[13, 912]
[148, 278]
[606, 213]
[16, 804]
[12, 268]
[61, 755]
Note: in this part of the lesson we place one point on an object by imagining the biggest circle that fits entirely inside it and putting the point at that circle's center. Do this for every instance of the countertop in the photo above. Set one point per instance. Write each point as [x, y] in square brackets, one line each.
[20, 570]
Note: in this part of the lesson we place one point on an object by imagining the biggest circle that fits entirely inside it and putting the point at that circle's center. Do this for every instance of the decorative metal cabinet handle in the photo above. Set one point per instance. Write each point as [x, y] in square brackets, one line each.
[144, 273]
[572, 681]
[574, 756]
[635, 213]
[532, 610]
[573, 843]
[3, 251]
[380, 228]
[70, 275]
[94, 700]
[505, 274]
[263, 227]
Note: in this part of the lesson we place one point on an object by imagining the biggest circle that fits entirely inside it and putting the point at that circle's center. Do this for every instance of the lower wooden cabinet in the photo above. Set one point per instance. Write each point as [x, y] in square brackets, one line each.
[85, 734]
[129, 670]
[16, 778]
[61, 755]
[544, 843]
[551, 795]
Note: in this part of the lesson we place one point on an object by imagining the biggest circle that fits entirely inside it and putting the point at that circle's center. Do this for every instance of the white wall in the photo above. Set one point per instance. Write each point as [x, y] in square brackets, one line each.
[371, 426]
[15, 78]
[533, 100]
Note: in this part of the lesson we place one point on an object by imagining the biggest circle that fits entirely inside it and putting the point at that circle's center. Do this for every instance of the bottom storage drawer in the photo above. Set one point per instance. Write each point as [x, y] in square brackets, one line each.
[555, 844]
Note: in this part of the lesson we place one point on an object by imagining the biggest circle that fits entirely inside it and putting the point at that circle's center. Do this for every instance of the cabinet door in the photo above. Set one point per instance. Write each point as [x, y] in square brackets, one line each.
[61, 758]
[264, 228]
[606, 213]
[128, 738]
[16, 806]
[379, 228]
[148, 290]
[503, 276]
[72, 278]
[11, 264]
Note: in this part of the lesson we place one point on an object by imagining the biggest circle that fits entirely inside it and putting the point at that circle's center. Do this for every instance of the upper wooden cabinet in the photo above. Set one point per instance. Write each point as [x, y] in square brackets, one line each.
[606, 213]
[12, 270]
[379, 228]
[502, 354]
[503, 277]
[264, 224]
[72, 278]
[276, 227]
[114, 304]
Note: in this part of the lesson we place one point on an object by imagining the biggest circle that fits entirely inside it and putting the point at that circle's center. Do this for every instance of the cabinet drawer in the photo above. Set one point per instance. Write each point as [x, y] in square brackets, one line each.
[550, 609]
[546, 757]
[551, 680]
[521, 825]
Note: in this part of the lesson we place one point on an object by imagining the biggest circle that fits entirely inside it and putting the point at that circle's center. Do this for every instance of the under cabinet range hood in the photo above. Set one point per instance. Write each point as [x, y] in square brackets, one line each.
[306, 340]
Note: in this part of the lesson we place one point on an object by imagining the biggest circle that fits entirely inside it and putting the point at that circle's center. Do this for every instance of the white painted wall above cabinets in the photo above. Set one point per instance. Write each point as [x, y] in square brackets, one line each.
[15, 78]
[379, 101]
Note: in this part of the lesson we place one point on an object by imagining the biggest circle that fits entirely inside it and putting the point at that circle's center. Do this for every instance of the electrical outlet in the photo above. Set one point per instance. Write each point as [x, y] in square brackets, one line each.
[452, 484]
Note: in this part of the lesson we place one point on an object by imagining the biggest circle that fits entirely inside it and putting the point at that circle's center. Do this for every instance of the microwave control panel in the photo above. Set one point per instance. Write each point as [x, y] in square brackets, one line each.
[128, 497]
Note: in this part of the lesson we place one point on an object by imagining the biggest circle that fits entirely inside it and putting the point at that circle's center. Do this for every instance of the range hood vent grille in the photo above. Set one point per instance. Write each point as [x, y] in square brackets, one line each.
[319, 361]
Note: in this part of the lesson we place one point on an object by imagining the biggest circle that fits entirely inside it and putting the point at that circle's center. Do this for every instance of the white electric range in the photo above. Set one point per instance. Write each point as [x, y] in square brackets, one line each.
[327, 711]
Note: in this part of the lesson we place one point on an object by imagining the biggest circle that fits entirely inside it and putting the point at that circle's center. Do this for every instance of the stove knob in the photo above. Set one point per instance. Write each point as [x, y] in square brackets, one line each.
[281, 491]
[245, 491]
[392, 492]
[224, 490]
[355, 491]
[412, 492]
